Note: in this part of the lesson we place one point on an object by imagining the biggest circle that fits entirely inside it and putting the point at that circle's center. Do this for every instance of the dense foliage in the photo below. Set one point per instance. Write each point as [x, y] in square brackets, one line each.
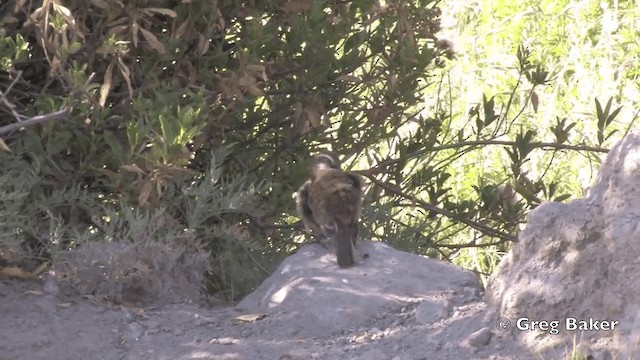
[206, 113]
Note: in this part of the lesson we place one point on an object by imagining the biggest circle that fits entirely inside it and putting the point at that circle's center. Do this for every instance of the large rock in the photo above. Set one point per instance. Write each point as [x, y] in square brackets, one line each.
[580, 260]
[320, 299]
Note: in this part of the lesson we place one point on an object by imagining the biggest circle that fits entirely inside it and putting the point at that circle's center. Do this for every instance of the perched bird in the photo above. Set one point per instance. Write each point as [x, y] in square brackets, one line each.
[302, 198]
[304, 211]
[330, 203]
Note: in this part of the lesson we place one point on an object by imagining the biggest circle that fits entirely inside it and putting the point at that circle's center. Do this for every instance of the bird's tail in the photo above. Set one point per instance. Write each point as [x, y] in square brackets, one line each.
[345, 239]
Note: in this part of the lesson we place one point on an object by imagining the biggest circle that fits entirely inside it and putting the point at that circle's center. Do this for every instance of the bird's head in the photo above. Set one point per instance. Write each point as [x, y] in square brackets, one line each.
[327, 159]
[324, 160]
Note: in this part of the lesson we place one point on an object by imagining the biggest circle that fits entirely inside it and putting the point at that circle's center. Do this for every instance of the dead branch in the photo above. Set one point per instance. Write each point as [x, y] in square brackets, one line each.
[475, 225]
[36, 120]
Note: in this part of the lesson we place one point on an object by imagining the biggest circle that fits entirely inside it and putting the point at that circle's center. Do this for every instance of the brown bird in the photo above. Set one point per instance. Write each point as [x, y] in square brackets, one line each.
[302, 198]
[330, 204]
[304, 211]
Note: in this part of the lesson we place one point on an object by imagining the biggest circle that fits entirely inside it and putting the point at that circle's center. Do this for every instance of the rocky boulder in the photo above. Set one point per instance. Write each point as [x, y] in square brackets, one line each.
[576, 268]
[319, 299]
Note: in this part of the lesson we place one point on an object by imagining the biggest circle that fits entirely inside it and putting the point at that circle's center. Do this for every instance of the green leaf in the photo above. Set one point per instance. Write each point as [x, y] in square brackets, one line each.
[562, 197]
[600, 115]
[169, 127]
[613, 115]
[354, 41]
[58, 143]
[117, 151]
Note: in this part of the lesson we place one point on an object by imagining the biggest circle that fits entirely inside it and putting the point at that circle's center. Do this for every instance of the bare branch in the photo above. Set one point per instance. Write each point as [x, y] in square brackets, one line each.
[36, 120]
[539, 145]
[478, 226]
[5, 101]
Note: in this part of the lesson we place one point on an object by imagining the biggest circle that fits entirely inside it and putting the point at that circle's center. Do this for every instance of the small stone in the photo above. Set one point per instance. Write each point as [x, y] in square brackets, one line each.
[201, 321]
[480, 337]
[223, 341]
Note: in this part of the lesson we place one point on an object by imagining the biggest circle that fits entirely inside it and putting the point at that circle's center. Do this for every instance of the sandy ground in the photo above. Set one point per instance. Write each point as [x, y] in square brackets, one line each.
[443, 317]
[36, 326]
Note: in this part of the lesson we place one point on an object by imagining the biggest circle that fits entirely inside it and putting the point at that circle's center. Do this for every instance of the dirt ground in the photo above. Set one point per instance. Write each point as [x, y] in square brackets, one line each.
[435, 313]
[36, 325]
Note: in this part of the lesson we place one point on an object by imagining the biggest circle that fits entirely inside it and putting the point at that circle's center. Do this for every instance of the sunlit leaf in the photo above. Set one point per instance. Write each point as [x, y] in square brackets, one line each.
[106, 84]
[163, 11]
[3, 146]
[153, 41]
